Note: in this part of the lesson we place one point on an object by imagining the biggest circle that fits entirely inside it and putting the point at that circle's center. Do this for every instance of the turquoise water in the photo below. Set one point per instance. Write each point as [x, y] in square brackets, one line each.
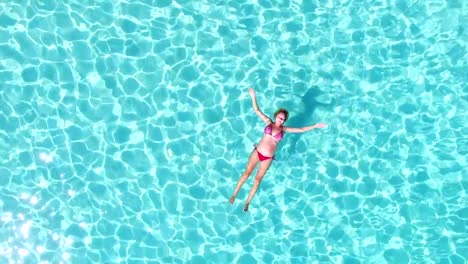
[124, 128]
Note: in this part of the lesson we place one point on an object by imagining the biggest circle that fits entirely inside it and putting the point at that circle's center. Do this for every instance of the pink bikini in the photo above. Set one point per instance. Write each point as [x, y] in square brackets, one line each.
[269, 131]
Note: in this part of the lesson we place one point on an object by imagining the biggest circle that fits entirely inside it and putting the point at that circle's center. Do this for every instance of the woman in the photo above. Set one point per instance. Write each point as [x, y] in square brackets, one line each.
[264, 152]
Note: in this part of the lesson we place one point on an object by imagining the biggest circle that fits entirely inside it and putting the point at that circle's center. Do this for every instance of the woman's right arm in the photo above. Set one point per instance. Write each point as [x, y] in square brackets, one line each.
[262, 116]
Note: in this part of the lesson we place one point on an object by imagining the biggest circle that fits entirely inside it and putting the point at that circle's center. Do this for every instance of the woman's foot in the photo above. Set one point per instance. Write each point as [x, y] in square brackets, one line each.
[246, 207]
[231, 201]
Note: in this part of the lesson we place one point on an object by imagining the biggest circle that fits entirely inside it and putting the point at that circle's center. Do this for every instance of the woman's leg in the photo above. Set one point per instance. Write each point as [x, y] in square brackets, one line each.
[253, 160]
[264, 166]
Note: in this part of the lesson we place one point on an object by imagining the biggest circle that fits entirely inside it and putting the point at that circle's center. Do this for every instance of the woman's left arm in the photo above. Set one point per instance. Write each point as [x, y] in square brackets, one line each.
[303, 129]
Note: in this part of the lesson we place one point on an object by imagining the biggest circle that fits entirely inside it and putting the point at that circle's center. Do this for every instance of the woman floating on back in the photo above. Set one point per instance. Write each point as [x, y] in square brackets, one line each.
[263, 153]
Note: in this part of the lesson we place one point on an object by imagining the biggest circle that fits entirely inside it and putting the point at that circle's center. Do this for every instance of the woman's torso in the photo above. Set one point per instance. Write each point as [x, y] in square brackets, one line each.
[269, 142]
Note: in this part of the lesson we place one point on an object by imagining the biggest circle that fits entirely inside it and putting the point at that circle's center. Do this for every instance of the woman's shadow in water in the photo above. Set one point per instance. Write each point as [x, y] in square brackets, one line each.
[304, 118]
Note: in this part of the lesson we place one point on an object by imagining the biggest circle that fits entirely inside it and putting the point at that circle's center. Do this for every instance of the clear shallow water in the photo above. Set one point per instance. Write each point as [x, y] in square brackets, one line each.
[124, 128]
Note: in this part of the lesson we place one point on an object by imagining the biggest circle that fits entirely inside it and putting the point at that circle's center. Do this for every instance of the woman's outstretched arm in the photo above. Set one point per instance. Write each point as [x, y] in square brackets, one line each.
[303, 129]
[262, 116]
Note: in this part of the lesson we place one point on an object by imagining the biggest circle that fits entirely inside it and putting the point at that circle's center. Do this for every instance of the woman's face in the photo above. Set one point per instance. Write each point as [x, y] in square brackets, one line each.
[280, 118]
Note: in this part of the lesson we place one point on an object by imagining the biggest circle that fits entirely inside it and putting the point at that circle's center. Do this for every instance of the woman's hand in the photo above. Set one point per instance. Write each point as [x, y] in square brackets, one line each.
[252, 92]
[320, 125]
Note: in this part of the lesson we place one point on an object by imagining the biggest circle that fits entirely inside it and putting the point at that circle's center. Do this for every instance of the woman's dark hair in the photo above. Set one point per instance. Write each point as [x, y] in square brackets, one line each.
[284, 111]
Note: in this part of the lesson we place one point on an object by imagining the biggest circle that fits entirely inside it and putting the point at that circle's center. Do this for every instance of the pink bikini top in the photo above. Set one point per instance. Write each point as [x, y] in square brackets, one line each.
[269, 130]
